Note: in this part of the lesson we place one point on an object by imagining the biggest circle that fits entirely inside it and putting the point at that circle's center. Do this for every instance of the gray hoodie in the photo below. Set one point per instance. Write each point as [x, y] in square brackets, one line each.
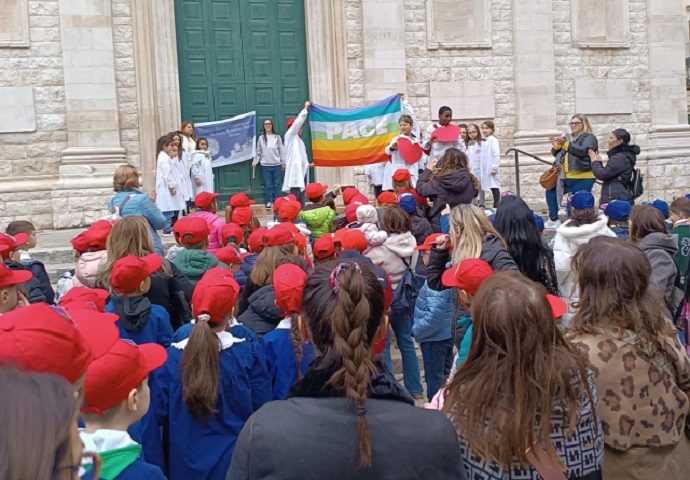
[661, 249]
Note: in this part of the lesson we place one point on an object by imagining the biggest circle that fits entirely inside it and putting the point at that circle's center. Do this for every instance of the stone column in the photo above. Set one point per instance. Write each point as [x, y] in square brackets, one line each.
[535, 81]
[667, 76]
[93, 140]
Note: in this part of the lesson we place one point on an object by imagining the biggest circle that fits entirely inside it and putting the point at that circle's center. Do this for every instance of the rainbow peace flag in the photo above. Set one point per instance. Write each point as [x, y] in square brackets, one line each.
[345, 138]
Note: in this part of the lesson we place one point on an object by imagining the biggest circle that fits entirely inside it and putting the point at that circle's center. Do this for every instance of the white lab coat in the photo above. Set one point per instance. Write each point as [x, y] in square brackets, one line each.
[167, 177]
[201, 169]
[188, 144]
[438, 148]
[184, 167]
[397, 162]
[375, 173]
[474, 157]
[490, 160]
[296, 161]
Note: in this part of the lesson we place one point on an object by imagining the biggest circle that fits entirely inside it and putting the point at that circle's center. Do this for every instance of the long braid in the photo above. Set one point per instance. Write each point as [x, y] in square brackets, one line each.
[350, 320]
[296, 344]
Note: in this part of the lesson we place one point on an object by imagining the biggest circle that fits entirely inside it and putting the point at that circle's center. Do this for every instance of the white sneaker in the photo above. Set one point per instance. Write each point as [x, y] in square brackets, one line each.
[269, 204]
[552, 224]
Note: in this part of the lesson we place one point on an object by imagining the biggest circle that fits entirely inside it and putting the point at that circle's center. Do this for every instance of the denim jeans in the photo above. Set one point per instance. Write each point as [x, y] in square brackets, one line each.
[402, 327]
[438, 360]
[168, 222]
[272, 176]
[570, 185]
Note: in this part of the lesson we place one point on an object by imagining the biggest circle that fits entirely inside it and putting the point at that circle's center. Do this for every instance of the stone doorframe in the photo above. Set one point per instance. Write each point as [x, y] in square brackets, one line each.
[158, 87]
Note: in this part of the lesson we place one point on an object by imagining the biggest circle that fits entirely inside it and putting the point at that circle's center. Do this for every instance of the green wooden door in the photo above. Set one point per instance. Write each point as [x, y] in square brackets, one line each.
[240, 55]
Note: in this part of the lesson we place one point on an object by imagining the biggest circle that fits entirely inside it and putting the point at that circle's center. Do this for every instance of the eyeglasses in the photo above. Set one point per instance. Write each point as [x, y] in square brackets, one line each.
[575, 124]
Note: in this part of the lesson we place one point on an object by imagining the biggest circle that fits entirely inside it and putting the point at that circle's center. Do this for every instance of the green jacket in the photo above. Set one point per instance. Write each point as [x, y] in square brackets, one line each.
[194, 263]
[319, 220]
[683, 257]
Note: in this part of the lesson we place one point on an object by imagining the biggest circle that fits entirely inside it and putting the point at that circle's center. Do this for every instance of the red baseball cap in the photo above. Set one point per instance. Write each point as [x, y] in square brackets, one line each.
[324, 247]
[79, 243]
[191, 230]
[351, 212]
[215, 294]
[231, 230]
[558, 306]
[301, 241]
[289, 210]
[255, 241]
[387, 197]
[288, 284]
[401, 175]
[280, 200]
[129, 272]
[241, 200]
[12, 242]
[429, 241]
[468, 275]
[13, 277]
[290, 121]
[47, 339]
[360, 199]
[84, 296]
[279, 235]
[349, 194]
[315, 190]
[110, 378]
[353, 239]
[242, 216]
[204, 199]
[96, 236]
[228, 255]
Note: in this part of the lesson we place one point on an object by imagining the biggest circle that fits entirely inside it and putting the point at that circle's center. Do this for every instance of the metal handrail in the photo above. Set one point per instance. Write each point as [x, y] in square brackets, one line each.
[517, 153]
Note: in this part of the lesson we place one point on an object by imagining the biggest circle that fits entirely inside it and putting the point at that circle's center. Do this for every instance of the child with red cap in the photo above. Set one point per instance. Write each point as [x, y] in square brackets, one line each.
[206, 204]
[318, 217]
[117, 396]
[139, 320]
[255, 244]
[210, 384]
[289, 212]
[24, 227]
[324, 249]
[10, 257]
[10, 280]
[192, 234]
[296, 160]
[287, 355]
[402, 183]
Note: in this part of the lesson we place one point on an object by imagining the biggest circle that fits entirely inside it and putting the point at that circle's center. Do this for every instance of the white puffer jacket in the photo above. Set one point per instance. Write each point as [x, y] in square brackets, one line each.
[87, 267]
[389, 255]
[567, 242]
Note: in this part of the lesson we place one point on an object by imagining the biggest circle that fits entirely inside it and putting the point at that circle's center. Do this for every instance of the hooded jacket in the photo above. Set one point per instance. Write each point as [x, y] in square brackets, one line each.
[247, 266]
[87, 267]
[261, 315]
[661, 250]
[194, 263]
[453, 189]
[319, 220]
[390, 255]
[617, 173]
[140, 321]
[215, 225]
[567, 242]
[329, 443]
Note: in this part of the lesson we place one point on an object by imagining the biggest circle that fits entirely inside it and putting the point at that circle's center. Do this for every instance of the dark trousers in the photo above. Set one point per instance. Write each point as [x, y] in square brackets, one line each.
[299, 194]
[272, 176]
[438, 360]
[377, 190]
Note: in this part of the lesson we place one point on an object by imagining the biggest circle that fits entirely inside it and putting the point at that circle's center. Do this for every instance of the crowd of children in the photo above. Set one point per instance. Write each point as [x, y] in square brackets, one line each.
[256, 350]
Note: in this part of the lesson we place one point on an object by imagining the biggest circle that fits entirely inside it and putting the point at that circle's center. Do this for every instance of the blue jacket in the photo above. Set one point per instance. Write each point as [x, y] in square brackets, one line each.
[147, 433]
[39, 270]
[238, 331]
[136, 470]
[281, 360]
[203, 449]
[141, 204]
[243, 273]
[140, 321]
[433, 315]
[621, 232]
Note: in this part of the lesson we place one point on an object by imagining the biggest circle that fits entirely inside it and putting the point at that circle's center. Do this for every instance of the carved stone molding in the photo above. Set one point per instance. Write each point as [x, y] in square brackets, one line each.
[601, 23]
[458, 24]
[14, 24]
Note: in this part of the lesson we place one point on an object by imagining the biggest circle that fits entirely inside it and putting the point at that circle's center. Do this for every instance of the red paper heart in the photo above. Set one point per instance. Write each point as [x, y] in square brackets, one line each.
[411, 152]
[449, 133]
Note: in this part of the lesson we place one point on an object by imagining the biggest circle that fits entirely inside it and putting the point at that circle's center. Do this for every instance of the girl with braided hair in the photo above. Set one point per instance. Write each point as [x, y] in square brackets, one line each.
[347, 417]
[287, 356]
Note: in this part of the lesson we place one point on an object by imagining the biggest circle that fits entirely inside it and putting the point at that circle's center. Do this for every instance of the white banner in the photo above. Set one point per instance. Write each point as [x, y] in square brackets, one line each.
[230, 141]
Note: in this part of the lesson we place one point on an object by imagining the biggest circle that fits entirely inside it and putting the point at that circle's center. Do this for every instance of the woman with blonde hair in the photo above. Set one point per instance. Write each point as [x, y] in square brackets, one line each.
[169, 288]
[572, 156]
[130, 200]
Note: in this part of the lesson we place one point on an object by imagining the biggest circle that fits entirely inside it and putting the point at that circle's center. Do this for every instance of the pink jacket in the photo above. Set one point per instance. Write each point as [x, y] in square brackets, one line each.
[215, 225]
[373, 235]
[86, 268]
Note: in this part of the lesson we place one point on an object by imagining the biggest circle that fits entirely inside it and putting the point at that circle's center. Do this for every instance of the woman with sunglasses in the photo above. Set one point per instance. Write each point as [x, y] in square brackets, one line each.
[572, 155]
[270, 154]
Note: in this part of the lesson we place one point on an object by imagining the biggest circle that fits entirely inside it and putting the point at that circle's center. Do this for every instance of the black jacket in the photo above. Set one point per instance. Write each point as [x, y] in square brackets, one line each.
[261, 315]
[578, 156]
[41, 276]
[617, 173]
[31, 289]
[313, 434]
[453, 189]
[174, 294]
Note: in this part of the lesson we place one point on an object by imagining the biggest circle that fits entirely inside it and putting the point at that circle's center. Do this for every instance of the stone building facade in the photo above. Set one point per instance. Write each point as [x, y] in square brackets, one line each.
[86, 85]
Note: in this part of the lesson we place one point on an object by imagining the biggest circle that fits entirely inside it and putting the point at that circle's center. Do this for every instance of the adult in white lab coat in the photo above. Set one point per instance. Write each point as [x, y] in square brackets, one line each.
[408, 129]
[435, 148]
[374, 175]
[296, 161]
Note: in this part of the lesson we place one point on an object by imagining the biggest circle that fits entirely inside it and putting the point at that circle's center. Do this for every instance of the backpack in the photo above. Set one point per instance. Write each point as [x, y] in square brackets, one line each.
[636, 185]
[406, 293]
[114, 212]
